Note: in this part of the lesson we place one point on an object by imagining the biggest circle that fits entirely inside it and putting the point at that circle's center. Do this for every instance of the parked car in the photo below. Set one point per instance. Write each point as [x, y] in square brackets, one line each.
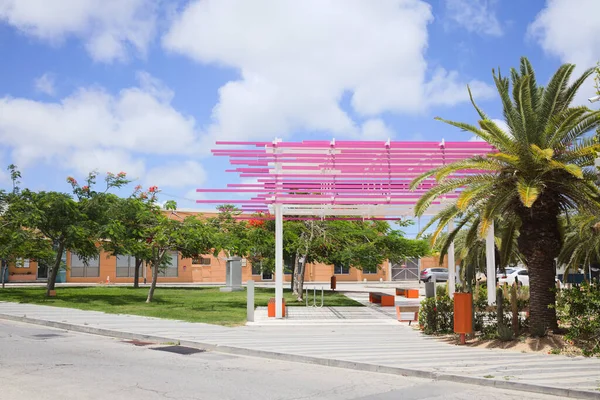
[440, 274]
[521, 274]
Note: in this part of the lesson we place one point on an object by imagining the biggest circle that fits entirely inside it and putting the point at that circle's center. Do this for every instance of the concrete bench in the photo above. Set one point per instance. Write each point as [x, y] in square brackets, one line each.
[407, 314]
[386, 300]
[408, 293]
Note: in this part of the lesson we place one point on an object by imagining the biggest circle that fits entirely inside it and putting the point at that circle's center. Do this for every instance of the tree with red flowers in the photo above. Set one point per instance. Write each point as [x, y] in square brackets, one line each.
[74, 225]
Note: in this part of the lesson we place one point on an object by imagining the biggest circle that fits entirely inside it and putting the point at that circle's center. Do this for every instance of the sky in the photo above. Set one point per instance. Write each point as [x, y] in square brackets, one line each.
[148, 86]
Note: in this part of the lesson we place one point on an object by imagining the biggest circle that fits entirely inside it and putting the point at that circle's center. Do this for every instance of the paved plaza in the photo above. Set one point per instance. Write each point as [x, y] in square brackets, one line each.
[388, 347]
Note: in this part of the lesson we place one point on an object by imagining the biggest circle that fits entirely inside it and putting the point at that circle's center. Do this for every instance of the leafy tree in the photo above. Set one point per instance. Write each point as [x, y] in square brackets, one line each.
[70, 225]
[190, 237]
[541, 169]
[16, 241]
[231, 234]
[126, 233]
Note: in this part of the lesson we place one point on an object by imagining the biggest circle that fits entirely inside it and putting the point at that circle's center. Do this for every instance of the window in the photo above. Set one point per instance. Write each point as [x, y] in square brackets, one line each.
[172, 268]
[523, 272]
[288, 265]
[256, 269]
[267, 276]
[21, 263]
[340, 269]
[125, 267]
[201, 260]
[80, 270]
[369, 270]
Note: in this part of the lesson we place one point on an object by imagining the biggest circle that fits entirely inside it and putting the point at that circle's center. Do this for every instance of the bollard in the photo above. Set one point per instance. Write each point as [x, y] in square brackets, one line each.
[429, 289]
[250, 301]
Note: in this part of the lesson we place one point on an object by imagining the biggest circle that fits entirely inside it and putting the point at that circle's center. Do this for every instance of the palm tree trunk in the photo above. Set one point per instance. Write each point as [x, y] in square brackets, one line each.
[539, 241]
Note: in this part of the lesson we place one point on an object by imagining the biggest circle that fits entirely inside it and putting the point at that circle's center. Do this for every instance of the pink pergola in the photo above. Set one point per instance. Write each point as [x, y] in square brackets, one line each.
[335, 180]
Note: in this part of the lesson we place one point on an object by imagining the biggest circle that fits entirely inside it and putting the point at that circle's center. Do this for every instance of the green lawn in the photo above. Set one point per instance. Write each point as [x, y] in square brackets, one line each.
[186, 304]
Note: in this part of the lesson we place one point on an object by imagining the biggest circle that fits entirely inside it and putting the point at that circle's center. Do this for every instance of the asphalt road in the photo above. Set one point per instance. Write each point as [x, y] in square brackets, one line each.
[43, 363]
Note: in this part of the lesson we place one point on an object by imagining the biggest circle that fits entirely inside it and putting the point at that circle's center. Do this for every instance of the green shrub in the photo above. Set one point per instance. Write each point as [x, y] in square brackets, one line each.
[441, 289]
[436, 315]
[579, 309]
[428, 316]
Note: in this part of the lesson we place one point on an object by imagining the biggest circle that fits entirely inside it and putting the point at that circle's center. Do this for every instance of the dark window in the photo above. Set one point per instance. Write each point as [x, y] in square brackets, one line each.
[80, 270]
[288, 265]
[171, 269]
[267, 275]
[125, 266]
[369, 270]
[201, 260]
[523, 272]
[340, 269]
[256, 268]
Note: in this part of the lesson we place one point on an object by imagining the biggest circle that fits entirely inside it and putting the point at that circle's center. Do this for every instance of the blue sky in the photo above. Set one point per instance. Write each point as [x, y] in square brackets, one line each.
[147, 86]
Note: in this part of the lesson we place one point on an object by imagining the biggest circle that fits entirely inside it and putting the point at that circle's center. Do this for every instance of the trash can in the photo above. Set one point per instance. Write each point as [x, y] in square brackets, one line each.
[333, 282]
[61, 277]
[429, 289]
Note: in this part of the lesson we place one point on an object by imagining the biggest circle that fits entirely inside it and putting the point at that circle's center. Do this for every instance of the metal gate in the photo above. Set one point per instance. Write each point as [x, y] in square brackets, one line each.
[407, 270]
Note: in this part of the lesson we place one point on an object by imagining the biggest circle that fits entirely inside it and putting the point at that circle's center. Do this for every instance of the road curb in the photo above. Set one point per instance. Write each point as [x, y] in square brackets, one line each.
[500, 384]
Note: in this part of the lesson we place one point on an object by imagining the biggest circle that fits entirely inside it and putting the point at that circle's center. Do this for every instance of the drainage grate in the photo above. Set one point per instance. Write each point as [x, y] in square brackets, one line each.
[138, 342]
[180, 350]
[46, 335]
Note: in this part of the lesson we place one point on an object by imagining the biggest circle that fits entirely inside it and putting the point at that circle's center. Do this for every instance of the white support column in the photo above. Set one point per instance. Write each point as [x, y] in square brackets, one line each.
[451, 264]
[278, 260]
[490, 261]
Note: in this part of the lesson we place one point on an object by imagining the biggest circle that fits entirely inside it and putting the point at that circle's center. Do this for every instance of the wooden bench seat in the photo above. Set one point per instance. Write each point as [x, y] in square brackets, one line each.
[386, 300]
[408, 293]
[411, 313]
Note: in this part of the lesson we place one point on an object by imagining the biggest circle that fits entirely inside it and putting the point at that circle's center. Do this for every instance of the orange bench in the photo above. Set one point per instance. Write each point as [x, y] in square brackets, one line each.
[271, 307]
[386, 300]
[408, 293]
[413, 310]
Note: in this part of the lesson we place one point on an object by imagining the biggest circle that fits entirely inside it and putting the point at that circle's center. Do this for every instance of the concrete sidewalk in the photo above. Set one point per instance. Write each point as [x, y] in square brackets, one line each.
[389, 348]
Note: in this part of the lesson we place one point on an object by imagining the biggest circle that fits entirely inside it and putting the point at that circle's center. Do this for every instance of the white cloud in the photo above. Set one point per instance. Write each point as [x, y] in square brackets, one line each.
[297, 59]
[107, 27]
[446, 89]
[569, 32]
[475, 16]
[93, 129]
[376, 129]
[176, 175]
[45, 84]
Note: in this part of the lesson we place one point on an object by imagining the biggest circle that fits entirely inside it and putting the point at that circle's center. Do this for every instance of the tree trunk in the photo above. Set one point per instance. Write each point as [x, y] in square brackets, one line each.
[293, 277]
[539, 241]
[155, 266]
[54, 271]
[3, 272]
[300, 279]
[295, 274]
[136, 273]
[153, 285]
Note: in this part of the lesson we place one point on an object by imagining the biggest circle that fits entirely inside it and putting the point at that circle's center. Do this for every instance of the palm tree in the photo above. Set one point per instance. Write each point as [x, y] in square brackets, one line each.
[542, 168]
[581, 246]
[469, 247]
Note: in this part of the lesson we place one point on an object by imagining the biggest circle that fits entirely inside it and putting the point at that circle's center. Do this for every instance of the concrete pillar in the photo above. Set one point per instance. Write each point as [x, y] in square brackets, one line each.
[250, 301]
[490, 262]
[451, 264]
[278, 260]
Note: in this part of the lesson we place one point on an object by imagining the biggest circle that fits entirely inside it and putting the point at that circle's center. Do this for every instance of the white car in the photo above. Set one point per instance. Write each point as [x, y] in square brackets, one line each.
[521, 274]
